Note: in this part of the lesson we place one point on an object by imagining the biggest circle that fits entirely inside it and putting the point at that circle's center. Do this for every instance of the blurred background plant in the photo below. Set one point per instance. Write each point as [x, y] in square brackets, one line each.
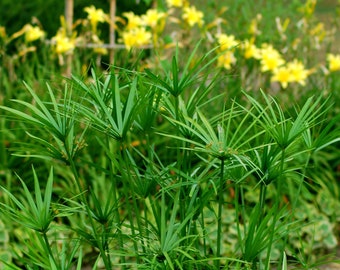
[211, 140]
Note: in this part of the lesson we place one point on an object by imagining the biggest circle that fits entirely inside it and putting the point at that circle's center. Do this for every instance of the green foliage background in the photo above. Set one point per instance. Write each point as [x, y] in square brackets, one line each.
[15, 14]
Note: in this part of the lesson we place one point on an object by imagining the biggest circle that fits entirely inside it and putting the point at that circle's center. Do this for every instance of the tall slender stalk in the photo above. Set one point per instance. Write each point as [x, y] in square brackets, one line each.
[104, 253]
[219, 214]
[129, 192]
[237, 215]
[117, 215]
[277, 207]
[179, 165]
[47, 244]
[262, 198]
[296, 199]
[3, 157]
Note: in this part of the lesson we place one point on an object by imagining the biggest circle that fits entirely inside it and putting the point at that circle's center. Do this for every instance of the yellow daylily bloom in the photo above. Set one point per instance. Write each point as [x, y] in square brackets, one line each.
[292, 72]
[95, 15]
[133, 20]
[192, 16]
[226, 41]
[250, 50]
[298, 72]
[175, 3]
[63, 44]
[282, 75]
[333, 62]
[136, 37]
[152, 17]
[270, 58]
[33, 33]
[226, 60]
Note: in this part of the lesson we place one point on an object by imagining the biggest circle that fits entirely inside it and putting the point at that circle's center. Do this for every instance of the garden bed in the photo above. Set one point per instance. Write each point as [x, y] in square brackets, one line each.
[207, 137]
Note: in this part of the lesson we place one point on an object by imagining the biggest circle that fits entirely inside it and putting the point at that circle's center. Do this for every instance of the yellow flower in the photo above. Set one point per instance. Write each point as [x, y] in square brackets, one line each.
[333, 62]
[270, 58]
[100, 49]
[226, 60]
[295, 44]
[136, 37]
[250, 50]
[63, 44]
[318, 32]
[95, 15]
[2, 32]
[253, 27]
[293, 72]
[226, 42]
[308, 8]
[33, 33]
[134, 21]
[282, 75]
[175, 3]
[298, 72]
[152, 17]
[192, 16]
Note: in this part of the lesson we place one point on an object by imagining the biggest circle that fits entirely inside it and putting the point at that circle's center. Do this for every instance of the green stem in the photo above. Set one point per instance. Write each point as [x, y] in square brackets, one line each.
[219, 214]
[243, 207]
[240, 194]
[124, 161]
[116, 202]
[295, 198]
[297, 194]
[263, 192]
[277, 208]
[180, 164]
[102, 250]
[3, 157]
[48, 247]
[237, 219]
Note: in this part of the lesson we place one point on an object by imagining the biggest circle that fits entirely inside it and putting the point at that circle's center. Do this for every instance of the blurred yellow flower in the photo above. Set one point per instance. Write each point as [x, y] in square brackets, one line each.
[152, 17]
[136, 37]
[270, 58]
[100, 49]
[63, 44]
[33, 33]
[192, 16]
[293, 72]
[298, 72]
[250, 50]
[133, 20]
[253, 27]
[226, 60]
[308, 8]
[333, 62]
[95, 15]
[2, 32]
[175, 3]
[226, 41]
[318, 32]
[282, 75]
[295, 43]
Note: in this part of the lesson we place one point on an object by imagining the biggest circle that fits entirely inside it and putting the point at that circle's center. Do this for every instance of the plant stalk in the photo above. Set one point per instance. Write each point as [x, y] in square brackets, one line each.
[219, 214]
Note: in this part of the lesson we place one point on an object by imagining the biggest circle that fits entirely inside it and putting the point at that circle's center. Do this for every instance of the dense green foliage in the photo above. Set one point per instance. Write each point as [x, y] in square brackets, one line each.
[166, 158]
[15, 14]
